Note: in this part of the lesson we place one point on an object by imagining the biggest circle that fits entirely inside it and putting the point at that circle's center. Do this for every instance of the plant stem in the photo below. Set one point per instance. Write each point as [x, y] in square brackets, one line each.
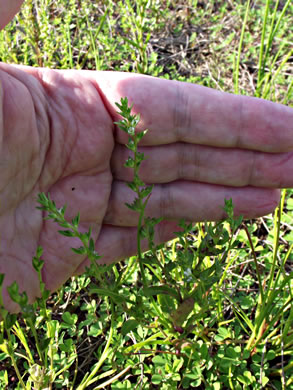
[10, 352]
[261, 63]
[90, 379]
[237, 65]
[277, 228]
[255, 262]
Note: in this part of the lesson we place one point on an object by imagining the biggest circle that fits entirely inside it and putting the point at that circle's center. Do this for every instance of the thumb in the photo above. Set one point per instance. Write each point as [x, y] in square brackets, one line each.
[8, 8]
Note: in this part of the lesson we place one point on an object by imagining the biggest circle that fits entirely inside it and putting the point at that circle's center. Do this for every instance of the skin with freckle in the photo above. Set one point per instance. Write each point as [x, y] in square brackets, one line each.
[57, 135]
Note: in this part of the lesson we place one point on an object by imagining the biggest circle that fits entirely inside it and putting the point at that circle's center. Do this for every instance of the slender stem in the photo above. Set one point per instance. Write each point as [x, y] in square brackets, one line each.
[281, 268]
[141, 213]
[287, 325]
[237, 65]
[277, 222]
[75, 370]
[17, 329]
[114, 378]
[41, 355]
[51, 353]
[275, 75]
[261, 63]
[140, 258]
[281, 16]
[255, 262]
[90, 379]
[289, 92]
[10, 351]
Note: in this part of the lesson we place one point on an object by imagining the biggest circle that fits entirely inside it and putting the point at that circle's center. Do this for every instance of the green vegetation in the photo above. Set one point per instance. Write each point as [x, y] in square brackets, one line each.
[211, 309]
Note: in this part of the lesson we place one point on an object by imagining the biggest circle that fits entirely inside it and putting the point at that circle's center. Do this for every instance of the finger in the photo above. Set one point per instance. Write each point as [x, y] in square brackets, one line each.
[229, 167]
[117, 243]
[176, 111]
[190, 201]
[8, 8]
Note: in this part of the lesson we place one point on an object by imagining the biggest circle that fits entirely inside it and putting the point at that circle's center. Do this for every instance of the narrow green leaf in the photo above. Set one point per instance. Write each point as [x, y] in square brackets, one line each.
[13, 292]
[146, 191]
[37, 264]
[10, 320]
[118, 298]
[2, 276]
[128, 326]
[131, 42]
[92, 245]
[132, 186]
[182, 312]
[44, 343]
[135, 206]
[75, 221]
[66, 233]
[156, 290]
[80, 251]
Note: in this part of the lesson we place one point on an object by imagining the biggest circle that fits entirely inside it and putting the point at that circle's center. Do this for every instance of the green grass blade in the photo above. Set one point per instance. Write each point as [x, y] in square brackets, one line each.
[261, 63]
[237, 65]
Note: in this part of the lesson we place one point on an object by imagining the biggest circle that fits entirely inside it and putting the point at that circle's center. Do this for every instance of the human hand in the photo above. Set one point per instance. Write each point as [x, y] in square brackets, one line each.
[8, 8]
[58, 136]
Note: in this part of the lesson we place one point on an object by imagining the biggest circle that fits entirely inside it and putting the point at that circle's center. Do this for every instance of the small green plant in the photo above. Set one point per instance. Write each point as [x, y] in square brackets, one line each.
[145, 225]
[58, 215]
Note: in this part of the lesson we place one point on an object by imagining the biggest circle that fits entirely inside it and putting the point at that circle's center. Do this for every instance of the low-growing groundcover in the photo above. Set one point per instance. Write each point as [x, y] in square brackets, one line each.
[209, 310]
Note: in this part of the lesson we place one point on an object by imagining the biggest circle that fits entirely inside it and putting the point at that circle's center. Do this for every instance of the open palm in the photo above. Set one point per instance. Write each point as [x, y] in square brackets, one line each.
[58, 136]
[53, 140]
